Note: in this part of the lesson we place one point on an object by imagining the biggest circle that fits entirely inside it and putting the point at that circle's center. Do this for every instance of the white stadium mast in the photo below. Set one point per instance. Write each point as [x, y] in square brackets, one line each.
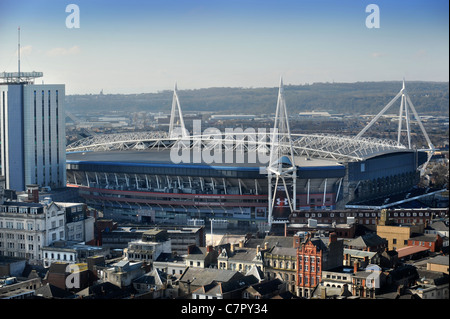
[176, 127]
[405, 107]
[281, 164]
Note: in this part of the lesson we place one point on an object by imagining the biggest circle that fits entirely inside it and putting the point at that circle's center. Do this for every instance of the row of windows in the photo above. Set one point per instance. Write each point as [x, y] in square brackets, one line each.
[235, 267]
[12, 245]
[281, 264]
[21, 210]
[57, 256]
[308, 280]
[307, 259]
[284, 276]
[408, 214]
[338, 277]
[18, 236]
[26, 255]
[18, 225]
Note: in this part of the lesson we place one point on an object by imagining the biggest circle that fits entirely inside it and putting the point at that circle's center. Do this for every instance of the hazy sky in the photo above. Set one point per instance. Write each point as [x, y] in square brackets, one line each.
[146, 46]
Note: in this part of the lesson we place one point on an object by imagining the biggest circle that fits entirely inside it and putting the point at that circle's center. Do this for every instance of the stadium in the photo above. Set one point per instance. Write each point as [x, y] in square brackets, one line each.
[249, 178]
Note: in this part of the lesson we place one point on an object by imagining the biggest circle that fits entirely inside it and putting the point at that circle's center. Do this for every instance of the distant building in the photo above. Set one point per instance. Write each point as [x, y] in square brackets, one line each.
[314, 115]
[223, 117]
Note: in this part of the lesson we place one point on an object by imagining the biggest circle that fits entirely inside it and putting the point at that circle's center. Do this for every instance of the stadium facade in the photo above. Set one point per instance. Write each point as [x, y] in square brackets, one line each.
[138, 177]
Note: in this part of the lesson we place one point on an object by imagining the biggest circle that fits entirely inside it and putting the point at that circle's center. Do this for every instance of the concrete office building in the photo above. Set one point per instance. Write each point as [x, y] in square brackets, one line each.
[32, 133]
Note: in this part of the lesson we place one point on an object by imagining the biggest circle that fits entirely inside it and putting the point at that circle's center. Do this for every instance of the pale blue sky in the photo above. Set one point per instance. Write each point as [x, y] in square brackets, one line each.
[146, 46]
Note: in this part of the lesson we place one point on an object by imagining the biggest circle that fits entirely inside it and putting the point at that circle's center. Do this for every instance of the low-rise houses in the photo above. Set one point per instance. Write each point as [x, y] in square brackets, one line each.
[388, 260]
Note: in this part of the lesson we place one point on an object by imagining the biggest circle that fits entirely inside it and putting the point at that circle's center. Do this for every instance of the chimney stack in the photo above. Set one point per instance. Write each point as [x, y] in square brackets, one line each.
[190, 248]
[209, 249]
[33, 193]
[333, 237]
[355, 266]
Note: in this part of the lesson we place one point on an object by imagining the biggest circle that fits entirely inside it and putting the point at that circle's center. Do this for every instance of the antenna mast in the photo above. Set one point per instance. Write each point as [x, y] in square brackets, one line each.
[18, 54]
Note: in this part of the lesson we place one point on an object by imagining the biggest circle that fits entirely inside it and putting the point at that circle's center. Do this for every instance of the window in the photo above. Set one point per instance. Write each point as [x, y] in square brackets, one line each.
[394, 241]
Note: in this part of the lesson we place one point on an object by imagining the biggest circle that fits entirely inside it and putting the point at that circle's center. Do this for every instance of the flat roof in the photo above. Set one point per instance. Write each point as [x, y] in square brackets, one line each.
[409, 250]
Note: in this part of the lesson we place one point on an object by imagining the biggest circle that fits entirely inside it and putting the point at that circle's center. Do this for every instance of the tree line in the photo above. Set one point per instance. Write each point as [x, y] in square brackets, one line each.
[431, 98]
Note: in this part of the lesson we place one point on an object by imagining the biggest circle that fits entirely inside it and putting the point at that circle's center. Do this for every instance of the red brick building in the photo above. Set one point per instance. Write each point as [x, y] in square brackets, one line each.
[433, 242]
[313, 256]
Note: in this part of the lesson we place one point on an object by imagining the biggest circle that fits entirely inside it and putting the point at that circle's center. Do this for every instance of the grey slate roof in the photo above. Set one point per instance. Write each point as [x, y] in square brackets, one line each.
[51, 291]
[204, 276]
[368, 240]
[439, 226]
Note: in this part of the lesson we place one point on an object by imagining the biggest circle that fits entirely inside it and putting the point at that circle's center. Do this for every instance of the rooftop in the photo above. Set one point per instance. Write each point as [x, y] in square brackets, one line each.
[409, 250]
[154, 157]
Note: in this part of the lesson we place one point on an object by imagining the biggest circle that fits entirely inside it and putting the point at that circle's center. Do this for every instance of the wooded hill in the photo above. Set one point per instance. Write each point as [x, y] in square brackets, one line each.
[430, 98]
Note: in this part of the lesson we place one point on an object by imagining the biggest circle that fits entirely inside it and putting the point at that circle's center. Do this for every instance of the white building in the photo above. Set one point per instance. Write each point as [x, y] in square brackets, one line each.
[70, 252]
[150, 247]
[32, 121]
[27, 227]
[79, 227]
